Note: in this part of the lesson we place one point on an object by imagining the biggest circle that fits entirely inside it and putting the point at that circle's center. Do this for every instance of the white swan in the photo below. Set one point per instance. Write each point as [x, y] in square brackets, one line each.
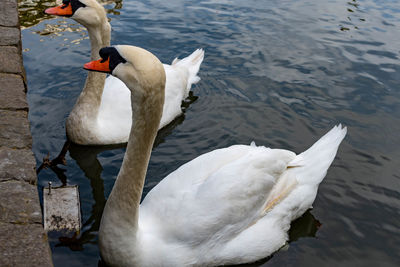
[228, 206]
[103, 116]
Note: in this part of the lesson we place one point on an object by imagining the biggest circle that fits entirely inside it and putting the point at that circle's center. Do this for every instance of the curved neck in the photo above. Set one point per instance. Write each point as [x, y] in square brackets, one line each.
[90, 98]
[122, 207]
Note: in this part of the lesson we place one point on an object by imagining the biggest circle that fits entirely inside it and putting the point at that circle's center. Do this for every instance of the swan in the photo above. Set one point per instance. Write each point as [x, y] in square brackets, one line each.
[229, 206]
[102, 112]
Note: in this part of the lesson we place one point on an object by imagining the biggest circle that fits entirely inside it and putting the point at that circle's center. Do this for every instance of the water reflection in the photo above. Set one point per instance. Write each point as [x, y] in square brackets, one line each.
[31, 12]
[86, 158]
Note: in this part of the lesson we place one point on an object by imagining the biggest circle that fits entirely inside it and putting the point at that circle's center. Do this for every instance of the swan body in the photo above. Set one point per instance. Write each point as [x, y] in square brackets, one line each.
[102, 113]
[114, 118]
[229, 206]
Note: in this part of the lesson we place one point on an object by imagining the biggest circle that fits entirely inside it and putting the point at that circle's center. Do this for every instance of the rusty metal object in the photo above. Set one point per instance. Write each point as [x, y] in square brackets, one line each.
[61, 208]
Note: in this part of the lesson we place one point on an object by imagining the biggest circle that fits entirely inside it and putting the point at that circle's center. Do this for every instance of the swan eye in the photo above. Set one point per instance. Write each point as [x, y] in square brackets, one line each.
[112, 54]
[75, 4]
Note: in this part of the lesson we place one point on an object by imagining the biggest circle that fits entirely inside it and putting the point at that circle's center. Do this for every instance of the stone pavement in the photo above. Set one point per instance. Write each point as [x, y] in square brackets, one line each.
[23, 241]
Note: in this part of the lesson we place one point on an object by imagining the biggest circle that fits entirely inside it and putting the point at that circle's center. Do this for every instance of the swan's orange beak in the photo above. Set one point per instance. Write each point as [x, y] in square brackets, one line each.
[63, 10]
[100, 65]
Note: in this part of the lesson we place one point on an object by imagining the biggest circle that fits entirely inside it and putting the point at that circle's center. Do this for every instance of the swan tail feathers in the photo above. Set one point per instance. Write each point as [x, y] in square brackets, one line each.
[312, 165]
[192, 64]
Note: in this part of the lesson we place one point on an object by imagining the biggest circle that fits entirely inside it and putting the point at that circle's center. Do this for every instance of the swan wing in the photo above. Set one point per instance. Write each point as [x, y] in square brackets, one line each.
[216, 195]
[235, 205]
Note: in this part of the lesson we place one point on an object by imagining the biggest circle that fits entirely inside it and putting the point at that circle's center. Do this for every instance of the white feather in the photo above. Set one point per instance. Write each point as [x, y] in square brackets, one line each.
[233, 205]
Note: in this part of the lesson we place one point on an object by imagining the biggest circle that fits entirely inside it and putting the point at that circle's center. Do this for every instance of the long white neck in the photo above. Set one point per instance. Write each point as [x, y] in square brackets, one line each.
[119, 224]
[89, 100]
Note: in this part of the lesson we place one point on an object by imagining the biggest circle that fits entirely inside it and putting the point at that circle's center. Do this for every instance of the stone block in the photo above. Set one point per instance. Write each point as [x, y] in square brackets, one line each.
[14, 129]
[9, 13]
[12, 92]
[17, 164]
[19, 203]
[10, 59]
[9, 36]
[24, 245]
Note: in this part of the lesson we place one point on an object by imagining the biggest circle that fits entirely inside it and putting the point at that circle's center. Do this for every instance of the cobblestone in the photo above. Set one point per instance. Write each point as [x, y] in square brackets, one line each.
[9, 13]
[9, 36]
[24, 245]
[17, 164]
[14, 129]
[12, 92]
[10, 59]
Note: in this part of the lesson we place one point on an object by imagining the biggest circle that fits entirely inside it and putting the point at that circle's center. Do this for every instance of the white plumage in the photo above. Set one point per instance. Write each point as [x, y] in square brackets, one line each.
[229, 206]
[234, 205]
[114, 120]
[102, 114]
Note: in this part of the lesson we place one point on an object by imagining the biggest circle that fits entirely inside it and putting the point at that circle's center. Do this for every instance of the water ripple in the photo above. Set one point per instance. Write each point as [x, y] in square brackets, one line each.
[280, 73]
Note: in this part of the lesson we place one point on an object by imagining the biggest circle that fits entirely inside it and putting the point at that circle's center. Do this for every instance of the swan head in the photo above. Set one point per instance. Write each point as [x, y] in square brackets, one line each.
[86, 12]
[140, 70]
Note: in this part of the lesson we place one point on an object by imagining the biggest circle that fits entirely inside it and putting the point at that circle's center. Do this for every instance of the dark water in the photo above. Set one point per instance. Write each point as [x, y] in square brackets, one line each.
[281, 73]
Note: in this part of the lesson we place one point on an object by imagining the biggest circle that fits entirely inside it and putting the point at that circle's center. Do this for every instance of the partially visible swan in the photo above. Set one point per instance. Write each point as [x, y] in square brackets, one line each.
[229, 206]
[102, 117]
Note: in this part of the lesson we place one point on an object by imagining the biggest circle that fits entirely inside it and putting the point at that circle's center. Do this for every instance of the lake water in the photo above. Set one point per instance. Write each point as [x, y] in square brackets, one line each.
[281, 73]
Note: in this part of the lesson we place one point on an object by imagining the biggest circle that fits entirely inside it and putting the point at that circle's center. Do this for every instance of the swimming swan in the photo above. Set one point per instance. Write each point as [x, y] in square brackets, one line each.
[229, 206]
[103, 116]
